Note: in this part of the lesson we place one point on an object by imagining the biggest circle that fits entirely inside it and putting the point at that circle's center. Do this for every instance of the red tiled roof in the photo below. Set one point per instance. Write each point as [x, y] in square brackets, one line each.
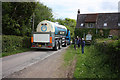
[91, 18]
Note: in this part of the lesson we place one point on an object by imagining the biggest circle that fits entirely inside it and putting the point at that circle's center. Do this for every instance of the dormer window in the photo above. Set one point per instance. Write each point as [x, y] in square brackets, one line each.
[81, 24]
[105, 24]
[118, 24]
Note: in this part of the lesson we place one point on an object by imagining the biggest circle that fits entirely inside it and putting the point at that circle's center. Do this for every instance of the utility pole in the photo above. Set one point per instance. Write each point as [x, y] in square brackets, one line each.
[96, 25]
[33, 23]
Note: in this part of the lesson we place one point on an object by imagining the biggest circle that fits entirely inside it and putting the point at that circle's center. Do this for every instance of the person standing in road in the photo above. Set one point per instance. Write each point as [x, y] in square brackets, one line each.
[83, 45]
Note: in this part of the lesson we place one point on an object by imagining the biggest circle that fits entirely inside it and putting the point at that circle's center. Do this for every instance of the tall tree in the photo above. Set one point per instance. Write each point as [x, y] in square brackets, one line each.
[67, 22]
[42, 12]
[16, 17]
[70, 22]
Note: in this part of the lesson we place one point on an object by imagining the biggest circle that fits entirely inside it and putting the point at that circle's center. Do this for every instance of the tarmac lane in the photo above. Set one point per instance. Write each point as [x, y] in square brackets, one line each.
[17, 62]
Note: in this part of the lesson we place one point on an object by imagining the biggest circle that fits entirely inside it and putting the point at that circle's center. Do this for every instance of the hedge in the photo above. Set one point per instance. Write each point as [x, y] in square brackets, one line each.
[112, 49]
[11, 43]
[108, 46]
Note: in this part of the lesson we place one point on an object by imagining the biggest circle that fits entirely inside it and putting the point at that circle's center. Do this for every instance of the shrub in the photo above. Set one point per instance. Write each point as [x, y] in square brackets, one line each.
[112, 49]
[26, 42]
[115, 37]
[108, 46]
[11, 43]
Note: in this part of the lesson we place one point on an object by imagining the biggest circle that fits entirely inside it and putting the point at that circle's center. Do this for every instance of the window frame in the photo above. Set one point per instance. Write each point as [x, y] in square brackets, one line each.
[82, 24]
[119, 24]
[105, 24]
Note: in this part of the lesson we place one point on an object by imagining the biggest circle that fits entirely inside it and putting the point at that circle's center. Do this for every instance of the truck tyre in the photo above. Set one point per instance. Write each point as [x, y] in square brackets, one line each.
[65, 44]
[56, 46]
[60, 45]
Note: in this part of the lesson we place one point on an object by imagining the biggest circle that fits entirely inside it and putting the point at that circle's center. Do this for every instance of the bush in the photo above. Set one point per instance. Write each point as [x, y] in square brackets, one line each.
[115, 37]
[26, 42]
[112, 49]
[108, 46]
[12, 43]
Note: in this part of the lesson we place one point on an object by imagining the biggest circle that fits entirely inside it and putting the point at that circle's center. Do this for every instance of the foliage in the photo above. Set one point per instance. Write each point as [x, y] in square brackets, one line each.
[105, 32]
[42, 12]
[93, 64]
[84, 31]
[99, 61]
[16, 17]
[95, 33]
[13, 43]
[115, 37]
[108, 45]
[69, 56]
[67, 22]
[15, 52]
[112, 49]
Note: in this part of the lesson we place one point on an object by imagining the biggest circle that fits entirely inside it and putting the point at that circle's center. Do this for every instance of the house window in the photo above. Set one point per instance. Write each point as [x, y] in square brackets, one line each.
[118, 24]
[81, 24]
[91, 25]
[105, 24]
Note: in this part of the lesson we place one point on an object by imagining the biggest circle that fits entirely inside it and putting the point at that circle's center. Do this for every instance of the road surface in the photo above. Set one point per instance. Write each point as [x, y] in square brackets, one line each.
[21, 61]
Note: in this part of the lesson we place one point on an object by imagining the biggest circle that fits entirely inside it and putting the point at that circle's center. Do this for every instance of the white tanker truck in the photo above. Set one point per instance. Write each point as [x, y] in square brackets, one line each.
[50, 35]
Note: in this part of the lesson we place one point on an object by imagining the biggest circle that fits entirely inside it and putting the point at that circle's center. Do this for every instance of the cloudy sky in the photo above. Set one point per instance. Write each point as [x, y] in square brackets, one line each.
[68, 8]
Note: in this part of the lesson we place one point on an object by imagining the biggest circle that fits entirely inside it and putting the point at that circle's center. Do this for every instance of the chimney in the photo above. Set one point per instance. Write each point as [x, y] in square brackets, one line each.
[78, 11]
[78, 14]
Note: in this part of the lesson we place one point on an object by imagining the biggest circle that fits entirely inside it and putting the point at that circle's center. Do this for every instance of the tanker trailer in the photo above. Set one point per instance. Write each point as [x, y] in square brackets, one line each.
[50, 35]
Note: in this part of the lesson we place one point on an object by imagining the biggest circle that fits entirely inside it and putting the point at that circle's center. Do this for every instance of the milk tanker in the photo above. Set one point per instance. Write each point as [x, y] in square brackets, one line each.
[50, 35]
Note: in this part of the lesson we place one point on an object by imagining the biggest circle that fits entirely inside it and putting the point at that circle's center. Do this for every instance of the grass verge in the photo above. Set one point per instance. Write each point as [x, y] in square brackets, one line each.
[91, 64]
[69, 55]
[15, 52]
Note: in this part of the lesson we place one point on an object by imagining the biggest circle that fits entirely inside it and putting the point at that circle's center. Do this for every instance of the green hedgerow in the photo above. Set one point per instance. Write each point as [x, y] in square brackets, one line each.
[12, 43]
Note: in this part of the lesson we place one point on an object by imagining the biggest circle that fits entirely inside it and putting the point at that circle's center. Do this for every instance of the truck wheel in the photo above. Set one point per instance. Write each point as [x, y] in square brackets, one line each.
[60, 45]
[65, 44]
[56, 46]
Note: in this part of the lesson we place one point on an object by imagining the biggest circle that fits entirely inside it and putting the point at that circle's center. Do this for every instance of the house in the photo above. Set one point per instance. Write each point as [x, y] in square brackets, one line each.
[100, 21]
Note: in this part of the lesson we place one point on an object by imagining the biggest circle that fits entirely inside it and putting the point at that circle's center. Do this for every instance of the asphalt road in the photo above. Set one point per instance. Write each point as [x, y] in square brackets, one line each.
[17, 62]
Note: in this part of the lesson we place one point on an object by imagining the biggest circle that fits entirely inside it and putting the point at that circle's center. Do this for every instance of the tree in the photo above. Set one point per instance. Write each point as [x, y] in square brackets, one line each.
[42, 12]
[16, 17]
[61, 21]
[70, 22]
[67, 22]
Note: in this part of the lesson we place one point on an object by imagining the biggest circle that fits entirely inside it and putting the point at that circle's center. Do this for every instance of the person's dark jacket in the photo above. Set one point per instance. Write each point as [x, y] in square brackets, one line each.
[83, 43]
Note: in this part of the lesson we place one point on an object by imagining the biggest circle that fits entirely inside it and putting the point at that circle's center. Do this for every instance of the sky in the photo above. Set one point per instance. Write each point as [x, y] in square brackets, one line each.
[68, 8]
